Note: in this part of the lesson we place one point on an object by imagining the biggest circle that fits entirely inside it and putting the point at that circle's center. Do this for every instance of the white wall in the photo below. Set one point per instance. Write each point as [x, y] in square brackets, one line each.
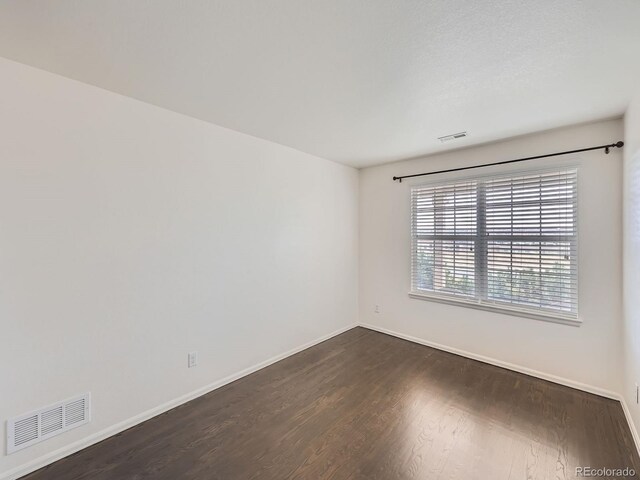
[589, 354]
[131, 235]
[631, 259]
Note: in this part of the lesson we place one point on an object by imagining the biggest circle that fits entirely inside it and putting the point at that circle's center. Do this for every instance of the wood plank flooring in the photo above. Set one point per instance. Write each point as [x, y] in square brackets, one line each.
[364, 405]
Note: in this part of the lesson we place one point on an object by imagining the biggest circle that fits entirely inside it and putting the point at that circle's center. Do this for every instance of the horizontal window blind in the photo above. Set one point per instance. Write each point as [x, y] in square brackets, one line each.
[502, 241]
[445, 226]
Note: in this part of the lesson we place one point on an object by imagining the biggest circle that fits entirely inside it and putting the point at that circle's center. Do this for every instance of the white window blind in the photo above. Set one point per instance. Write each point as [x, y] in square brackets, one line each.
[502, 242]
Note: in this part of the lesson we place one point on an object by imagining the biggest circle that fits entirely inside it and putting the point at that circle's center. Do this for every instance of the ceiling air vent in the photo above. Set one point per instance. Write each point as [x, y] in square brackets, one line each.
[454, 136]
[34, 427]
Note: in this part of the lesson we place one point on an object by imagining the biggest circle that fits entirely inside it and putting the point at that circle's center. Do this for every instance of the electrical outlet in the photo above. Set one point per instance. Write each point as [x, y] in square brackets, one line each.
[377, 309]
[193, 359]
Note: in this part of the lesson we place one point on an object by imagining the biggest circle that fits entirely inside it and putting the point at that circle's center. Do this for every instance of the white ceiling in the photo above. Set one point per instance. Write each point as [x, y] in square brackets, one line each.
[357, 81]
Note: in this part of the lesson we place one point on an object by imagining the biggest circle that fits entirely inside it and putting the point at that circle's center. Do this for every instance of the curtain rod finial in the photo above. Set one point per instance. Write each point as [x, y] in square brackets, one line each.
[620, 144]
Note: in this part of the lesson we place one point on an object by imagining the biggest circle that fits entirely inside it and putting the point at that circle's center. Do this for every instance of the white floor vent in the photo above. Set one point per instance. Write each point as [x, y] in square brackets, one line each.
[36, 426]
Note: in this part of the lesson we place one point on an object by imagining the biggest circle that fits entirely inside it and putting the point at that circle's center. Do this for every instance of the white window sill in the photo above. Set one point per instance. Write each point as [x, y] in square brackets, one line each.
[518, 312]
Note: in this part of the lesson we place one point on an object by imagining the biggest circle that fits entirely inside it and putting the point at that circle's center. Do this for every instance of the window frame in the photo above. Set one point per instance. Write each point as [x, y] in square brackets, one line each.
[479, 302]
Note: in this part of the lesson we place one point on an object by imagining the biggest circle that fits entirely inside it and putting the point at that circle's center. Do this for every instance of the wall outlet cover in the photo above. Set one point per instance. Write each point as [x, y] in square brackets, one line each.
[192, 359]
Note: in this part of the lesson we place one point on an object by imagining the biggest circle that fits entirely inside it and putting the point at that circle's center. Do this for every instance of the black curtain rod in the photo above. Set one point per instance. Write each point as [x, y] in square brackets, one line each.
[606, 150]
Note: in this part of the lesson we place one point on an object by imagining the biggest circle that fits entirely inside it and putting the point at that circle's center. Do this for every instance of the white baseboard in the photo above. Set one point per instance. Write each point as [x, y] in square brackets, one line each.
[518, 368]
[74, 447]
[499, 363]
[632, 426]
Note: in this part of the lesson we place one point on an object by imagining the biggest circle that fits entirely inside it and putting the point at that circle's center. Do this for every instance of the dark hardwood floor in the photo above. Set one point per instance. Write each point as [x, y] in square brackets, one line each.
[364, 405]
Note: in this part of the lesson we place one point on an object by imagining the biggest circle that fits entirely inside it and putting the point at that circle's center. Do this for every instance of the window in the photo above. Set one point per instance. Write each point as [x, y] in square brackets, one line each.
[506, 243]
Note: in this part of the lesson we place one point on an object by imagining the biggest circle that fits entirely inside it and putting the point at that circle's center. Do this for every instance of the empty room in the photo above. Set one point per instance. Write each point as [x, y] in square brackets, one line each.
[331, 239]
